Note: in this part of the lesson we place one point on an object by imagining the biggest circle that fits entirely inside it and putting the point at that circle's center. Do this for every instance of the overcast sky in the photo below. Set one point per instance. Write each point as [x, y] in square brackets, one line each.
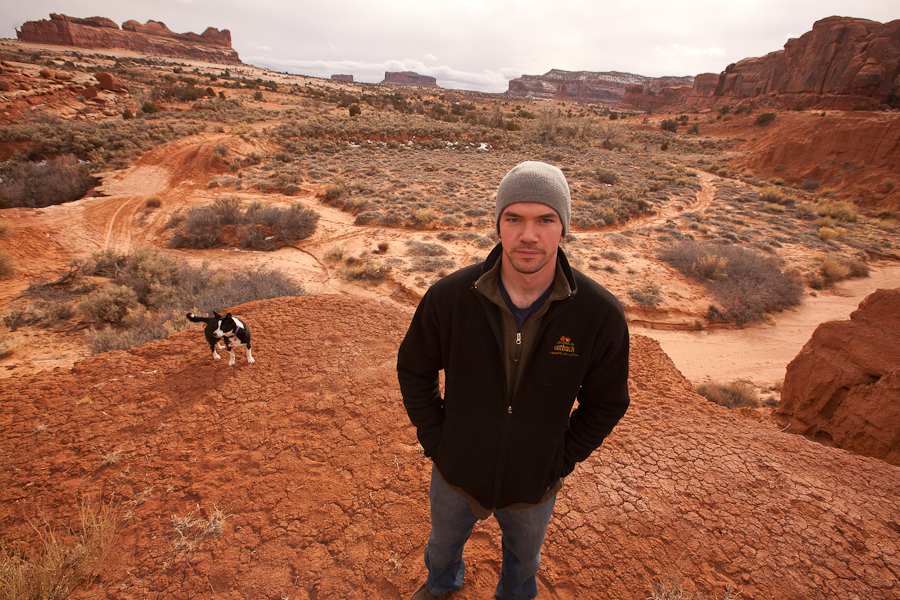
[478, 44]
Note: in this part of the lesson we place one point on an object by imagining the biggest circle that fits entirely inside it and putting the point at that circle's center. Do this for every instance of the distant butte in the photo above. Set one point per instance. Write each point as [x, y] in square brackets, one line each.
[409, 78]
[587, 86]
[153, 37]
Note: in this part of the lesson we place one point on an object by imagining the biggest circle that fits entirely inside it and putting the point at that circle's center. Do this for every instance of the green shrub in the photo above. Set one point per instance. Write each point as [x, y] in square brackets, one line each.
[149, 108]
[355, 110]
[669, 125]
[864, 106]
[127, 114]
[765, 118]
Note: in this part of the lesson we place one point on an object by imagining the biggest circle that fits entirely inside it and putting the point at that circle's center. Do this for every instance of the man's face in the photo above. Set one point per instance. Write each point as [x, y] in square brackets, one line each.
[530, 233]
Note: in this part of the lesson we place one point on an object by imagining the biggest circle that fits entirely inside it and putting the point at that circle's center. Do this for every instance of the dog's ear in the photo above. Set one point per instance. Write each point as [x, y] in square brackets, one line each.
[217, 315]
[228, 316]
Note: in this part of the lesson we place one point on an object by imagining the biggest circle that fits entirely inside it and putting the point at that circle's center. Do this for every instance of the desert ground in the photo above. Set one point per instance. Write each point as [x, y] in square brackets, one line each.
[300, 477]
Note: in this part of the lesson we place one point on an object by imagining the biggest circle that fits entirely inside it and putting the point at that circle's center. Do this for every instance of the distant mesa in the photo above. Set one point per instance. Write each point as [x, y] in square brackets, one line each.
[342, 78]
[587, 86]
[841, 64]
[409, 78]
[153, 37]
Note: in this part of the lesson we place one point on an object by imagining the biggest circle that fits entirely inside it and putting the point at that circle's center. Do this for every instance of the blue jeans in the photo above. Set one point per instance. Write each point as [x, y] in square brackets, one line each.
[452, 521]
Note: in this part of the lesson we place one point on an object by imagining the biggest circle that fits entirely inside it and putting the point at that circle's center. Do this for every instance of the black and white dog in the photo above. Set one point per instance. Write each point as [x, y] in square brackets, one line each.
[231, 331]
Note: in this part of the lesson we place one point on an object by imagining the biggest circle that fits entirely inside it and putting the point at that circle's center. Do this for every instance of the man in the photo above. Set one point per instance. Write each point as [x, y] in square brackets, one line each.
[520, 337]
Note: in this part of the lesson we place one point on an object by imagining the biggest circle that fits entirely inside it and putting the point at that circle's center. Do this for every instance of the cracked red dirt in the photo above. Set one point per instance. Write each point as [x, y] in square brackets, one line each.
[311, 458]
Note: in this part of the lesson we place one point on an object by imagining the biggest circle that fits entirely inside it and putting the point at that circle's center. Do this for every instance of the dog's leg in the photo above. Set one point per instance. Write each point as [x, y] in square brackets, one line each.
[215, 354]
[231, 352]
[250, 356]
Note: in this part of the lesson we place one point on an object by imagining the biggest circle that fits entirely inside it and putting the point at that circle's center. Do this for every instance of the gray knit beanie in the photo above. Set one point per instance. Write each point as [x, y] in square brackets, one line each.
[539, 182]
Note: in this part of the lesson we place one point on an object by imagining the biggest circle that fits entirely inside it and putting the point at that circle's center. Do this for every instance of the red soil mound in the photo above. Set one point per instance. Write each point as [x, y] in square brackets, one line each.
[311, 457]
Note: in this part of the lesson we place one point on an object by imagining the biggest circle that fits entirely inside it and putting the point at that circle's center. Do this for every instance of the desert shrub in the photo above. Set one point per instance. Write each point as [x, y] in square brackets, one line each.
[669, 125]
[6, 264]
[747, 283]
[127, 114]
[829, 233]
[415, 248]
[736, 394]
[765, 118]
[149, 108]
[864, 106]
[354, 110]
[36, 185]
[65, 561]
[153, 201]
[430, 264]
[775, 196]
[613, 255]
[238, 288]
[833, 269]
[607, 176]
[844, 211]
[110, 304]
[650, 295]
[256, 227]
[364, 268]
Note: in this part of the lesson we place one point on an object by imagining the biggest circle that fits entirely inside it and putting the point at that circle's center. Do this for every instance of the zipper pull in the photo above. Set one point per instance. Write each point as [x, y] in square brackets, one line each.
[509, 409]
[518, 338]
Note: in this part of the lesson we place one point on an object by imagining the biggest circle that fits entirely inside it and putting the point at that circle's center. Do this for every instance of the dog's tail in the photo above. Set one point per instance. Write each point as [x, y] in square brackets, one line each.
[191, 317]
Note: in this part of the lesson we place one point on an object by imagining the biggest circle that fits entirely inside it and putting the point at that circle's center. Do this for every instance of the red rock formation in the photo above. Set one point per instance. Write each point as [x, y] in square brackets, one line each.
[348, 78]
[587, 86]
[843, 61]
[151, 38]
[409, 78]
[844, 386]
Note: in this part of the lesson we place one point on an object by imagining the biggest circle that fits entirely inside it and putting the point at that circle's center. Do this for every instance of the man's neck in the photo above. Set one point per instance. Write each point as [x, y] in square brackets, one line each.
[525, 288]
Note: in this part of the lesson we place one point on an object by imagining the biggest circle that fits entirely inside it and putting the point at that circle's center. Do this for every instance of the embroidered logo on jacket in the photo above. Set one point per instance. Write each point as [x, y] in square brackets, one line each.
[564, 347]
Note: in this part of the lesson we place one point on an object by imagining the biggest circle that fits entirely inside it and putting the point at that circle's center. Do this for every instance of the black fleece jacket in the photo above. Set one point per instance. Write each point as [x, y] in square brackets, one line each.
[502, 450]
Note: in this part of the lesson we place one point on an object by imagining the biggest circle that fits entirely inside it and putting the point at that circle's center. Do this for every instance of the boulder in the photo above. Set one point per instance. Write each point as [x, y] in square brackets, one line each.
[109, 82]
[844, 386]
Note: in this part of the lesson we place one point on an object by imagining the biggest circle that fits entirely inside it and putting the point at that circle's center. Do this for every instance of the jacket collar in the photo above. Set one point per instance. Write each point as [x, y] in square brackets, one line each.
[562, 265]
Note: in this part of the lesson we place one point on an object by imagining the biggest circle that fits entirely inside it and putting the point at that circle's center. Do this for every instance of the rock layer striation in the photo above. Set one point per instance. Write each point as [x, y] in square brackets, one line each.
[842, 63]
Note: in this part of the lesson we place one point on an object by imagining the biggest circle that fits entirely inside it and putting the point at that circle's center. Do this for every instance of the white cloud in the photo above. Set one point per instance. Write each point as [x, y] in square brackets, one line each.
[678, 51]
[256, 46]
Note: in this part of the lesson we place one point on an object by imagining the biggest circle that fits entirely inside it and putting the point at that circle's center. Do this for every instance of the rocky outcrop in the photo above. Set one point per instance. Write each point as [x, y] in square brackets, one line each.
[348, 78]
[409, 78]
[152, 37]
[842, 62]
[844, 386]
[588, 86]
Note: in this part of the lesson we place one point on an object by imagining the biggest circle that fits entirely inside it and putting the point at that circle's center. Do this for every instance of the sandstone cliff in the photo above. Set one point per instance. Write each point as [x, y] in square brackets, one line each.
[409, 78]
[153, 37]
[587, 86]
[844, 386]
[842, 62]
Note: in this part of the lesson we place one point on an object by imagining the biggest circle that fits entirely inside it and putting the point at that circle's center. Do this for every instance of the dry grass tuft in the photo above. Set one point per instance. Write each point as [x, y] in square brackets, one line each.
[64, 561]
